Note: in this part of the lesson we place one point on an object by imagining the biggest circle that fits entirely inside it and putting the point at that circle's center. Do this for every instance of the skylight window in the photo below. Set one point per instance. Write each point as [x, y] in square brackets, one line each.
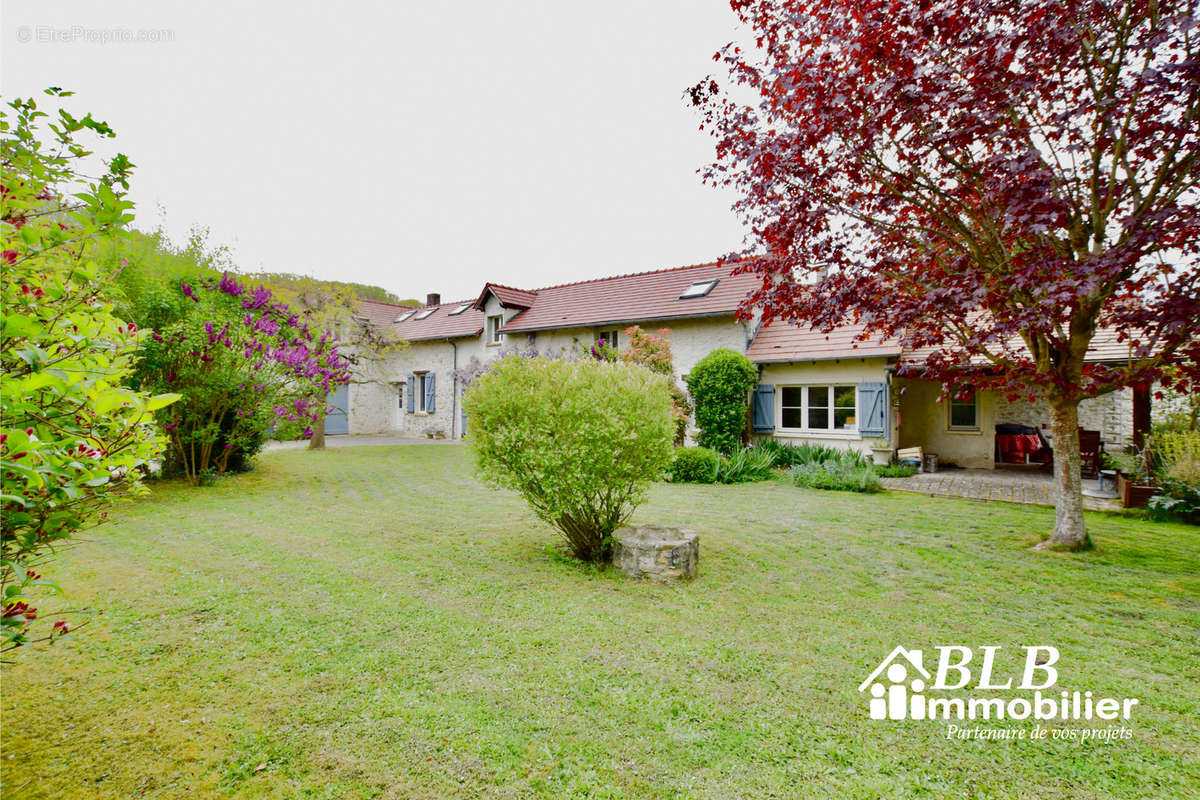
[459, 310]
[698, 289]
[425, 313]
[404, 316]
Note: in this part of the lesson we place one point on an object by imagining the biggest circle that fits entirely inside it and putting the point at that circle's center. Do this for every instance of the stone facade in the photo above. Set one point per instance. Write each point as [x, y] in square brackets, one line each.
[378, 398]
[656, 552]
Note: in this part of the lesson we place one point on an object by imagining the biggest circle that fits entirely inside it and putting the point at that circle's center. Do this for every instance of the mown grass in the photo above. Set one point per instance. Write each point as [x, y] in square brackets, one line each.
[371, 622]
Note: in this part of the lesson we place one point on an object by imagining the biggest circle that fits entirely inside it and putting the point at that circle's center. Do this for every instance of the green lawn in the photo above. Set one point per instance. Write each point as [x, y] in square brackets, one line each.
[373, 623]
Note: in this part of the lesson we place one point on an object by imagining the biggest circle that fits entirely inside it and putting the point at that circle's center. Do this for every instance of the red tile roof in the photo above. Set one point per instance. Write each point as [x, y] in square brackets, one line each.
[507, 295]
[643, 296]
[1105, 347]
[783, 341]
[438, 325]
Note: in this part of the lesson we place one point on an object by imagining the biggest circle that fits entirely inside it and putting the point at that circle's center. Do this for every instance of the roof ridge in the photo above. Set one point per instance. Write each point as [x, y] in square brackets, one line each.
[506, 286]
[628, 275]
[383, 302]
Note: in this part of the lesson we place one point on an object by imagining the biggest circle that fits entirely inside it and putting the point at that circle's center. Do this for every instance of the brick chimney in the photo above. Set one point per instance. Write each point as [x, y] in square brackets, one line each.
[433, 299]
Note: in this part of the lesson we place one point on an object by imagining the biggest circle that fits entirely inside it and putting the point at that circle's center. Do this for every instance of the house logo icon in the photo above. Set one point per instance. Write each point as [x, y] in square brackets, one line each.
[897, 686]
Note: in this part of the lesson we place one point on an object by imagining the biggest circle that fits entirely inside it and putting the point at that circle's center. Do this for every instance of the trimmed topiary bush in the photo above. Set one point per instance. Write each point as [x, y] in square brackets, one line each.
[720, 384]
[580, 440]
[695, 465]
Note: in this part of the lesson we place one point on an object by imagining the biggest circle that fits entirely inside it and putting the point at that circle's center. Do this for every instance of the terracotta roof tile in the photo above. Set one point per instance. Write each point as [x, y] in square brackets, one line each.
[639, 297]
[1105, 347]
[507, 295]
[783, 341]
[438, 325]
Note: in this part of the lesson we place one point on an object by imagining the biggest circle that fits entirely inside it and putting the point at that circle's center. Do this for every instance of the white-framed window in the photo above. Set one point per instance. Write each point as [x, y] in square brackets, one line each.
[963, 410]
[461, 308]
[400, 393]
[419, 391]
[494, 325]
[819, 408]
[425, 313]
[611, 338]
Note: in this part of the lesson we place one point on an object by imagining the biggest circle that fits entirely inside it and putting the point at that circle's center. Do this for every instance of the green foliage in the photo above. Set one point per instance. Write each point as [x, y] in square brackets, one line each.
[703, 465]
[848, 471]
[281, 282]
[720, 384]
[745, 465]
[653, 351]
[786, 454]
[580, 440]
[1177, 458]
[895, 471]
[695, 465]
[74, 439]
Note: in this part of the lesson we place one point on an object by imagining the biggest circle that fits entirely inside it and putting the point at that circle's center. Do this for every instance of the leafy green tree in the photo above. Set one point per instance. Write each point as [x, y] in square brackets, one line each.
[579, 439]
[74, 438]
[720, 384]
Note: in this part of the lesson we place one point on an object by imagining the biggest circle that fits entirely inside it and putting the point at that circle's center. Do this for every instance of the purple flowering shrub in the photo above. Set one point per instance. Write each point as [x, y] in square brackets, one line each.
[245, 364]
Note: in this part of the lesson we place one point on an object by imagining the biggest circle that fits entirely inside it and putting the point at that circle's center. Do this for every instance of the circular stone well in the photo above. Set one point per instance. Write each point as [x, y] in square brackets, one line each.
[656, 552]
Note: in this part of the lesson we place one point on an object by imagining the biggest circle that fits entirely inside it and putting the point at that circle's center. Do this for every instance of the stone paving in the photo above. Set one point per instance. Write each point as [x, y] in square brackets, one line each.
[987, 484]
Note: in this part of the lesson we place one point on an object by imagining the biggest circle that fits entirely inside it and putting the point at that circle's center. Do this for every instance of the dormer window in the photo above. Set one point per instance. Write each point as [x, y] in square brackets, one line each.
[459, 310]
[698, 289]
[494, 323]
[426, 313]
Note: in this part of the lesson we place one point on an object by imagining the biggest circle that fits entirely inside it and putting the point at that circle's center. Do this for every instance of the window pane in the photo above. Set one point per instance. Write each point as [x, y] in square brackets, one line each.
[818, 397]
[792, 418]
[843, 396]
[818, 417]
[790, 396]
[962, 415]
[844, 418]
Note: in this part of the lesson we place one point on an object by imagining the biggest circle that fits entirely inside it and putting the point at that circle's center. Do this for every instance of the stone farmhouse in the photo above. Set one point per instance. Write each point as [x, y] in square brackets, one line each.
[813, 387]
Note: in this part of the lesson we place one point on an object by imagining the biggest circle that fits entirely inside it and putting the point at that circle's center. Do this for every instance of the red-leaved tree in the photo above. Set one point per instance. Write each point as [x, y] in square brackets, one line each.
[997, 181]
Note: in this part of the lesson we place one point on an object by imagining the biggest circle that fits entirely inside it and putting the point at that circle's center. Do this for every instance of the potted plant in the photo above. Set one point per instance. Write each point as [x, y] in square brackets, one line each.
[1134, 484]
[881, 451]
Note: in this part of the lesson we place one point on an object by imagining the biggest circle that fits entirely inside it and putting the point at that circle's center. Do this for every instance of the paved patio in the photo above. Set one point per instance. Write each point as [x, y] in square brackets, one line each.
[985, 484]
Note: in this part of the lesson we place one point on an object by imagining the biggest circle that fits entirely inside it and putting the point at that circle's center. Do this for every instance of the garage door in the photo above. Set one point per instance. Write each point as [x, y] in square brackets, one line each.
[337, 419]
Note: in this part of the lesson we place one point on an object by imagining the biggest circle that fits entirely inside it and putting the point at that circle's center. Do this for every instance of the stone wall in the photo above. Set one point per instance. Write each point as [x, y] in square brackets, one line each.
[1111, 414]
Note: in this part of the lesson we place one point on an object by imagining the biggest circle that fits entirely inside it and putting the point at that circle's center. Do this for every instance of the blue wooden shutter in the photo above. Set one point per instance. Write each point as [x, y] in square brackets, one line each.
[764, 408]
[429, 393]
[873, 409]
[412, 382]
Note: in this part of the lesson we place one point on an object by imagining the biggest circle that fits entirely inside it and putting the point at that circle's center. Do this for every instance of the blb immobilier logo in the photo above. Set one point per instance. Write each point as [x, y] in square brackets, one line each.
[963, 684]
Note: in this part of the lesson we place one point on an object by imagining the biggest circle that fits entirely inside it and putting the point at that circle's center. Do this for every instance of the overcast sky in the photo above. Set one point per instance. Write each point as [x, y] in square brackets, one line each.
[418, 146]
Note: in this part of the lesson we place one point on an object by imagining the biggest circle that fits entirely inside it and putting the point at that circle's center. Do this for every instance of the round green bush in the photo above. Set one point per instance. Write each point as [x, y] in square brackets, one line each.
[695, 465]
[720, 384]
[580, 440]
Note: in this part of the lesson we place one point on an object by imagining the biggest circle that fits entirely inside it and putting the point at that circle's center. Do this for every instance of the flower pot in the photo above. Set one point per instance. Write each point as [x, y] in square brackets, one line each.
[882, 456]
[1134, 495]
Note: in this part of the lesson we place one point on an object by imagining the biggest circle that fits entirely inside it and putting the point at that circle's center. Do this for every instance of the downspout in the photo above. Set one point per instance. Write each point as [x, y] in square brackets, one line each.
[453, 389]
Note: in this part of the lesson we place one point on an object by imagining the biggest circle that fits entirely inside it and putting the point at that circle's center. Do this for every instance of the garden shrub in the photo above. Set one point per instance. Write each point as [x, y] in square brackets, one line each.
[744, 465]
[695, 465]
[74, 438]
[1176, 454]
[653, 352]
[720, 384]
[242, 362]
[787, 454]
[849, 473]
[896, 471]
[579, 439]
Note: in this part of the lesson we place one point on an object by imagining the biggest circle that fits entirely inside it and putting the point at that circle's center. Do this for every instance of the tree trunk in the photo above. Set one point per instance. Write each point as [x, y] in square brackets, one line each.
[317, 440]
[1070, 532]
